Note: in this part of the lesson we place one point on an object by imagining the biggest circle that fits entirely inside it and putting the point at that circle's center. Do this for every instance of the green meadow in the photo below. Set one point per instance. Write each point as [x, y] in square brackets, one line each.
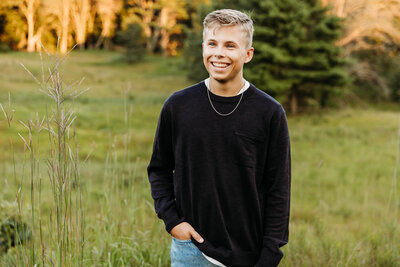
[345, 169]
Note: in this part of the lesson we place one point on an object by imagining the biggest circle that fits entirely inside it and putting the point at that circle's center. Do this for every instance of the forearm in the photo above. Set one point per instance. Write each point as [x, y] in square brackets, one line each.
[162, 191]
[166, 210]
[276, 230]
[160, 172]
[276, 194]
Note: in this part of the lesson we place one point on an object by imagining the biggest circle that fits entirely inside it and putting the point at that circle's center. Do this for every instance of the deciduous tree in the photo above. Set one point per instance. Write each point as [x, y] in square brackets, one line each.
[369, 24]
[29, 10]
[107, 10]
[80, 12]
[160, 20]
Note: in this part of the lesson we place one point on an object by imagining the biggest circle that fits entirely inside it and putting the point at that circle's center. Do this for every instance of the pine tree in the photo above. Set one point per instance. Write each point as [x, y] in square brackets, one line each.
[295, 58]
[192, 53]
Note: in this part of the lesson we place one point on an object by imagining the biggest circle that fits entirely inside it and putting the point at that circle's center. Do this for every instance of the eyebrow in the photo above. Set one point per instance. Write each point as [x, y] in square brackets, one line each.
[229, 41]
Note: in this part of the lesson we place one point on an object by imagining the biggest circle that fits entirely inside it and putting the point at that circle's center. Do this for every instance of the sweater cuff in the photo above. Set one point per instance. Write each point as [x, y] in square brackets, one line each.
[269, 258]
[172, 221]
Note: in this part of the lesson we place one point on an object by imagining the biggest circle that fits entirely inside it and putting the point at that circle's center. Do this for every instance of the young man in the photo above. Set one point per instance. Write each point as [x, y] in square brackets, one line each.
[220, 169]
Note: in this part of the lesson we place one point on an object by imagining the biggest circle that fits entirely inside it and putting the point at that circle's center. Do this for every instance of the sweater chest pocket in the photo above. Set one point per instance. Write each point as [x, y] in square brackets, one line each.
[246, 147]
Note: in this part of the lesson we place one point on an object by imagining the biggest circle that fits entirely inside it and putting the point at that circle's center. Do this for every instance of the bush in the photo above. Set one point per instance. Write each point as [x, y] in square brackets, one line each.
[4, 48]
[376, 75]
[134, 41]
[13, 231]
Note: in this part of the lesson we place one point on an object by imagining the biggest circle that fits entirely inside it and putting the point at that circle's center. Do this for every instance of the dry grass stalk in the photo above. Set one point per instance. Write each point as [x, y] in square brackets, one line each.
[65, 247]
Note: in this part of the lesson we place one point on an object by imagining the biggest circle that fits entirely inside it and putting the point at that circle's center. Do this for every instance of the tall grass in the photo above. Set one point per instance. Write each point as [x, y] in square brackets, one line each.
[344, 170]
[59, 226]
[19, 240]
[61, 234]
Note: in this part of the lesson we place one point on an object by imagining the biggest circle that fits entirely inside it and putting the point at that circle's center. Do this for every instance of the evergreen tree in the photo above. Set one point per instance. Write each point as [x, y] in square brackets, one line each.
[295, 58]
[192, 53]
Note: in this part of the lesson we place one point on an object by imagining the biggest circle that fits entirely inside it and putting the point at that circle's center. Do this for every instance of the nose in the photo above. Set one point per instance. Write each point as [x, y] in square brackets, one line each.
[219, 52]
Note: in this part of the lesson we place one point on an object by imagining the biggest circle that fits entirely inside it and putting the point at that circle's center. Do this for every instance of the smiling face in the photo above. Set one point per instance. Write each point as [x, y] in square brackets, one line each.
[225, 50]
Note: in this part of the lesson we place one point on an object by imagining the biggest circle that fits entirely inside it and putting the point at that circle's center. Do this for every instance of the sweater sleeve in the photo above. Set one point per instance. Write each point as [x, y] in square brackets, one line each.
[277, 192]
[160, 172]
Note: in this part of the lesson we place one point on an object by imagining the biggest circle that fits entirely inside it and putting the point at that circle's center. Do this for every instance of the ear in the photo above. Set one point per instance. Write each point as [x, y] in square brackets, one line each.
[249, 54]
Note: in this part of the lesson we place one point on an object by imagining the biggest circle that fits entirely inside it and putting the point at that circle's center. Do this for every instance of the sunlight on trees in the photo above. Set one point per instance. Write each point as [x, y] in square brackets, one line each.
[369, 24]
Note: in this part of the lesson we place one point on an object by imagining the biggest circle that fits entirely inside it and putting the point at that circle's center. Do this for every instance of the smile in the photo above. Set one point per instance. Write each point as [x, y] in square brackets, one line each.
[220, 64]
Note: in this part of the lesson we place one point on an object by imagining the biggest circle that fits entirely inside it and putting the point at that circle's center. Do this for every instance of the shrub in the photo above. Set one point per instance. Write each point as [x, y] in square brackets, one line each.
[376, 75]
[13, 231]
[4, 48]
[134, 41]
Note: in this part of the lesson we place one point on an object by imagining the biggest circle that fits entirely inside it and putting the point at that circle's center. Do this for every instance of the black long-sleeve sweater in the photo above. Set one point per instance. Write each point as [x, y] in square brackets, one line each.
[229, 177]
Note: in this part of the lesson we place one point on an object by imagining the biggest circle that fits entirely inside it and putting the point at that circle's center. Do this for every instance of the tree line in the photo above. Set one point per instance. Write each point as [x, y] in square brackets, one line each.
[309, 53]
[94, 23]
[24, 24]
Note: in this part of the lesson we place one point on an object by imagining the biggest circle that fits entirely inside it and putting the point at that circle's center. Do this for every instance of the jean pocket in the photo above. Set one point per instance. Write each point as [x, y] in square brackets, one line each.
[181, 241]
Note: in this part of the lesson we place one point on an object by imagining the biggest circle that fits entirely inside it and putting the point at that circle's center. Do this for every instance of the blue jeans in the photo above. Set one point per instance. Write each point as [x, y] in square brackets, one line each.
[185, 254]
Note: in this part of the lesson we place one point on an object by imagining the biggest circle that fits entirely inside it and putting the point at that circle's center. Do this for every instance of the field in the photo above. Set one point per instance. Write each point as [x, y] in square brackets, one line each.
[345, 164]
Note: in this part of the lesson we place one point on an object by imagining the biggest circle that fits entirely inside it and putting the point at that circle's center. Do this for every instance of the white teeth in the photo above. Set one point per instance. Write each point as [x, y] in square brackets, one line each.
[221, 65]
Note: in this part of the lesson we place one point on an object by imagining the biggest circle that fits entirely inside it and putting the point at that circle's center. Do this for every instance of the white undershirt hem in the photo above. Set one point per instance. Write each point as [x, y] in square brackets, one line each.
[213, 261]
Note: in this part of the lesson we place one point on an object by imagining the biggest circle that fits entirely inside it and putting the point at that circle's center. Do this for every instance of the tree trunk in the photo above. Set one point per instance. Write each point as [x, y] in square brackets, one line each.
[324, 98]
[340, 8]
[28, 9]
[107, 9]
[91, 18]
[64, 26]
[293, 101]
[148, 33]
[147, 15]
[80, 14]
[153, 40]
[106, 21]
[164, 33]
[99, 42]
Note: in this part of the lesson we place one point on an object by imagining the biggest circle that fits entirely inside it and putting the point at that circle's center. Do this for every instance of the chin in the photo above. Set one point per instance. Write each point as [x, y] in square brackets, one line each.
[220, 80]
[219, 77]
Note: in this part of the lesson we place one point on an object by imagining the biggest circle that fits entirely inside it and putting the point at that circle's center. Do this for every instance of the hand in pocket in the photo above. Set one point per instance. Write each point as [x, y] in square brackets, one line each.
[184, 231]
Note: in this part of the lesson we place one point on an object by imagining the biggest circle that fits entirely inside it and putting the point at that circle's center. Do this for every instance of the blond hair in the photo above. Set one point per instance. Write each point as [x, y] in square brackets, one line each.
[230, 17]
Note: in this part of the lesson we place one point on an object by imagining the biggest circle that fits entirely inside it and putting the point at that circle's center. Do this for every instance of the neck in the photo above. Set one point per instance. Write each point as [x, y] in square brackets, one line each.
[229, 88]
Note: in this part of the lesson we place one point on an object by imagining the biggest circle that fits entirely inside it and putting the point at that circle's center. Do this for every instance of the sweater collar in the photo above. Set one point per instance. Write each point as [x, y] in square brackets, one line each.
[244, 88]
[249, 91]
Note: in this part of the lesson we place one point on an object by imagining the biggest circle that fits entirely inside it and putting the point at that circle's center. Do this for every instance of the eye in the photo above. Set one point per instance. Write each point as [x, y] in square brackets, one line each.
[230, 45]
[212, 44]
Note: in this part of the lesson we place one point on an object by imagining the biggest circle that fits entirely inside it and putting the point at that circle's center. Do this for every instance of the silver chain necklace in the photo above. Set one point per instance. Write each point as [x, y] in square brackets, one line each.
[223, 114]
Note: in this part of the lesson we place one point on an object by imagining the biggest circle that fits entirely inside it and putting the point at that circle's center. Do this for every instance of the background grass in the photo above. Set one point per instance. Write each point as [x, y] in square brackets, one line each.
[345, 194]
